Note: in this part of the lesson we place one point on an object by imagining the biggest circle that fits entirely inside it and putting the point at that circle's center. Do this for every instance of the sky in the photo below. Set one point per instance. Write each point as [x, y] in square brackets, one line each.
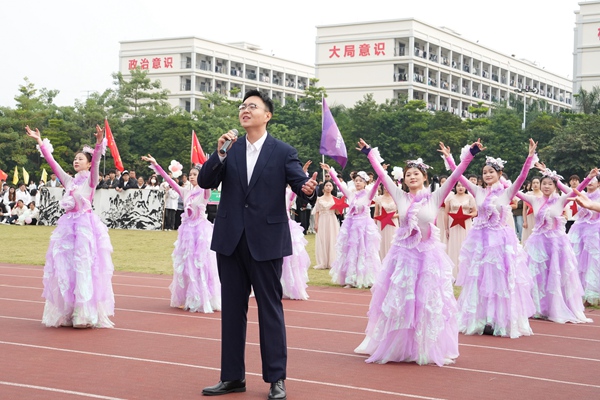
[73, 45]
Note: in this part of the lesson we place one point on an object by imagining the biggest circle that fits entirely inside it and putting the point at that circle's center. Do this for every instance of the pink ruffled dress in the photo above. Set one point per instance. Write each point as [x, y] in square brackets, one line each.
[557, 291]
[493, 272]
[412, 315]
[585, 238]
[358, 241]
[294, 271]
[196, 286]
[79, 268]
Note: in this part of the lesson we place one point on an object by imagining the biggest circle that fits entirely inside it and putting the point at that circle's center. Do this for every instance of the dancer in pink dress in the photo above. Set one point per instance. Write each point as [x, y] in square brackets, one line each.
[294, 272]
[493, 272]
[327, 228]
[196, 286]
[585, 238]
[557, 290]
[358, 242]
[412, 315]
[79, 268]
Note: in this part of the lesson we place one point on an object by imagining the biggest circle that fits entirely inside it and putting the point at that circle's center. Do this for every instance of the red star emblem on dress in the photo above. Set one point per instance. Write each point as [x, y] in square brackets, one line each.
[529, 209]
[459, 218]
[385, 218]
[339, 204]
[573, 208]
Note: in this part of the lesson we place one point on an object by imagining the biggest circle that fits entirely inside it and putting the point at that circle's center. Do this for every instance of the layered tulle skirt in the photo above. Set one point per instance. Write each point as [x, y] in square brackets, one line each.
[294, 272]
[78, 273]
[585, 238]
[196, 286]
[412, 316]
[557, 291]
[496, 284]
[357, 249]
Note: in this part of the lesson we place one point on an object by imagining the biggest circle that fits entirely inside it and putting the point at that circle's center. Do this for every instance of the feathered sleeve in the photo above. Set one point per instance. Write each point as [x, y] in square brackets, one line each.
[99, 151]
[46, 150]
[451, 166]
[376, 160]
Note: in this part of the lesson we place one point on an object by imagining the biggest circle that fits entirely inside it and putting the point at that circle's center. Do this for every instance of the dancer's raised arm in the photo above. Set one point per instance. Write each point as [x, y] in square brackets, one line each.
[450, 164]
[99, 149]
[585, 202]
[375, 160]
[46, 149]
[466, 158]
[335, 180]
[513, 189]
[159, 170]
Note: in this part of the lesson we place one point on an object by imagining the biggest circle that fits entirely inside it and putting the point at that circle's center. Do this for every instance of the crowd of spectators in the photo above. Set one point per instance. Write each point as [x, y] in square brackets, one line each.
[18, 204]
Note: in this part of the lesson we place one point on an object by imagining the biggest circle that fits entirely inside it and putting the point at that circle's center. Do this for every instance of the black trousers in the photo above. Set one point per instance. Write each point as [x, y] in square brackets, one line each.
[170, 218]
[238, 273]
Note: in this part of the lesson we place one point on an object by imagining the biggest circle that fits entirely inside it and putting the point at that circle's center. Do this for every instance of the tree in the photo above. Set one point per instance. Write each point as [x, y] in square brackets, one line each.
[574, 148]
[588, 102]
[139, 96]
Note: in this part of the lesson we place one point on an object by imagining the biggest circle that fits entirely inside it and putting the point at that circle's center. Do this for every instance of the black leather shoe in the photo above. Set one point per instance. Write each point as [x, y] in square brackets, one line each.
[225, 388]
[277, 391]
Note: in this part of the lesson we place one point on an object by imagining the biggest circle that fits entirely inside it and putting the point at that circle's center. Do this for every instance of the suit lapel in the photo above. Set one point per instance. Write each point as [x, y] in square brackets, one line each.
[240, 158]
[263, 158]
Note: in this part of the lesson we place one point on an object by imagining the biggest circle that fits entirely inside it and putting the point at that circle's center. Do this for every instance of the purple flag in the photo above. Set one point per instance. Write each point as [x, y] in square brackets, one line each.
[332, 143]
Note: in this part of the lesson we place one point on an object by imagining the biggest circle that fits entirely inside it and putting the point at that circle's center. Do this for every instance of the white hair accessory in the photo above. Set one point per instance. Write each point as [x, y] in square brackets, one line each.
[398, 173]
[547, 173]
[418, 163]
[364, 176]
[496, 163]
[87, 149]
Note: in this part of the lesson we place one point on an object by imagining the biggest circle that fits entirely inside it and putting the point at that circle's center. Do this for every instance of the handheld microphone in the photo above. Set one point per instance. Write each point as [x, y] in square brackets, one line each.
[227, 143]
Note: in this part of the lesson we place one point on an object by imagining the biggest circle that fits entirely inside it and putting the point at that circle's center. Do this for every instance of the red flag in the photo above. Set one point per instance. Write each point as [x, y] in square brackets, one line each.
[113, 146]
[3, 175]
[198, 156]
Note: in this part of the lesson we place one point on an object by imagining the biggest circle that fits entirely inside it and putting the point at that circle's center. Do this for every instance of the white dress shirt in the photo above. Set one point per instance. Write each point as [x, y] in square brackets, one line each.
[252, 153]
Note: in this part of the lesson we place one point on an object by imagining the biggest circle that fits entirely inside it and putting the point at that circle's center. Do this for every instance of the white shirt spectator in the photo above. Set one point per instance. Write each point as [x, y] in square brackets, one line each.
[172, 199]
[28, 215]
[23, 195]
[18, 211]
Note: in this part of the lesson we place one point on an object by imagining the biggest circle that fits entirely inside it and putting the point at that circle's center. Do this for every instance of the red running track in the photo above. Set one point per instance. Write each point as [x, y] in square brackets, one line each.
[157, 352]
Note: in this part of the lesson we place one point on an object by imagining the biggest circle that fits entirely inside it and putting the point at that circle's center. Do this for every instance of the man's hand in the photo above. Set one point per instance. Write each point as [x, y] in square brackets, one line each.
[231, 135]
[309, 187]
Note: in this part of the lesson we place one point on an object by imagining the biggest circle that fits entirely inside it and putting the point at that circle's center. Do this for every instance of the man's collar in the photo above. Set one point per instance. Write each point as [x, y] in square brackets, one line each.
[258, 144]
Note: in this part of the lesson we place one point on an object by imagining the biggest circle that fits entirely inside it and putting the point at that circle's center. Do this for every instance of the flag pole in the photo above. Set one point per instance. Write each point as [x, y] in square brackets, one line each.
[104, 155]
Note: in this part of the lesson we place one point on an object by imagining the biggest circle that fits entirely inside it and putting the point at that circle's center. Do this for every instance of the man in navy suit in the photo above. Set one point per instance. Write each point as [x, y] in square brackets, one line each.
[251, 236]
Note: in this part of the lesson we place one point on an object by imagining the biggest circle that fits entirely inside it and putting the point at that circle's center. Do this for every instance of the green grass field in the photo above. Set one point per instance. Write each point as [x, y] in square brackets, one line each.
[134, 251]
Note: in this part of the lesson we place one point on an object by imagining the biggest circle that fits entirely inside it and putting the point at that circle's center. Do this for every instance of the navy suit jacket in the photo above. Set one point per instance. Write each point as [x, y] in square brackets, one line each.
[258, 208]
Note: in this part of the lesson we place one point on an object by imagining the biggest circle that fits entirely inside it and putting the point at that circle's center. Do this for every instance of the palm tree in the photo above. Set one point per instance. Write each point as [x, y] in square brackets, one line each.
[588, 102]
